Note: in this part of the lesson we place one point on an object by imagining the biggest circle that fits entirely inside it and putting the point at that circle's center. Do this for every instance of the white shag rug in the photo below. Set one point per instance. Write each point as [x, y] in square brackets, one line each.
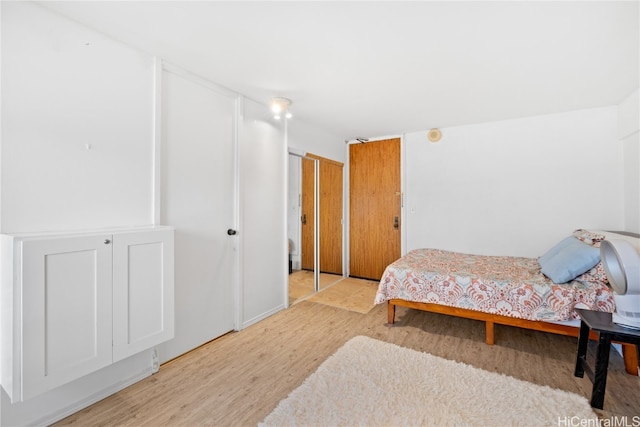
[372, 383]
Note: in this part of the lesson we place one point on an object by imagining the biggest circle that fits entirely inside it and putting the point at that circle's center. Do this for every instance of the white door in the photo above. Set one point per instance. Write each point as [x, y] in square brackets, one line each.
[198, 199]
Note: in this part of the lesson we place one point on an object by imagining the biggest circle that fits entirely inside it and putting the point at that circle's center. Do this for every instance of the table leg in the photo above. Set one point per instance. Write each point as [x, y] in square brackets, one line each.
[602, 364]
[583, 340]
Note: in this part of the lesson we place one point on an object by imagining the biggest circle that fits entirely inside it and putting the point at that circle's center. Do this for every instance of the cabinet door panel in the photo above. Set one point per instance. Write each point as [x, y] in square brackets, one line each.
[66, 310]
[69, 300]
[143, 291]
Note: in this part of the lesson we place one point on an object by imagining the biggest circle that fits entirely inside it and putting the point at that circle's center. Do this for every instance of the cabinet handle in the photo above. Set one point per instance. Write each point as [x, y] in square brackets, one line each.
[107, 241]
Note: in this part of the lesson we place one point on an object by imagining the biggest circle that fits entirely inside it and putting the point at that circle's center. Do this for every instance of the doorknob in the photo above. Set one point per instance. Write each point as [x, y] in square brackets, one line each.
[231, 232]
[395, 222]
[304, 219]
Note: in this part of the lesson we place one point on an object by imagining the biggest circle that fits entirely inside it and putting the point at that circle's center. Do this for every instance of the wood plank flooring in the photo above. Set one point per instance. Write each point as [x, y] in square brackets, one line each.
[301, 283]
[239, 378]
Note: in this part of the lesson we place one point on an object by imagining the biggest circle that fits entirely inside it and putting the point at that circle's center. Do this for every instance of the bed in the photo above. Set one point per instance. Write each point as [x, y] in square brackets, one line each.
[513, 291]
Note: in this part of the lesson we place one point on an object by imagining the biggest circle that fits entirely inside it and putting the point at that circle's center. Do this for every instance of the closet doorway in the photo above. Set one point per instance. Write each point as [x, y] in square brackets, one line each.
[315, 225]
[374, 207]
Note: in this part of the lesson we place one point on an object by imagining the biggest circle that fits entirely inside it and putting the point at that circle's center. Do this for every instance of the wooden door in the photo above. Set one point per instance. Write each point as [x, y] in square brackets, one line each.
[307, 215]
[330, 216]
[374, 210]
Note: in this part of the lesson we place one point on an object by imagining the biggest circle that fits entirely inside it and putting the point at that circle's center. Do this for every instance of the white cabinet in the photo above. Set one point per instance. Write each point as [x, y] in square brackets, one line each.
[72, 304]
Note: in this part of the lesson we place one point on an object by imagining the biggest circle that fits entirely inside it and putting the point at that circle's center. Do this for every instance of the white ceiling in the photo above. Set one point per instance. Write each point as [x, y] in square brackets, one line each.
[367, 69]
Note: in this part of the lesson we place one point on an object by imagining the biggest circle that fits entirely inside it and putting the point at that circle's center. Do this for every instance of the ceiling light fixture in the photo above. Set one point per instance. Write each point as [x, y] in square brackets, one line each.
[280, 107]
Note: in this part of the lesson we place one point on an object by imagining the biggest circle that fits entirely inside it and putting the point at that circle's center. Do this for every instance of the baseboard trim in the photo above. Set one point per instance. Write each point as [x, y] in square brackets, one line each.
[93, 398]
[262, 316]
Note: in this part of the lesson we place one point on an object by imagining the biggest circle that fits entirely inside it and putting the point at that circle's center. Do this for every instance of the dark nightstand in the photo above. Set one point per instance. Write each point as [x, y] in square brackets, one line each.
[608, 331]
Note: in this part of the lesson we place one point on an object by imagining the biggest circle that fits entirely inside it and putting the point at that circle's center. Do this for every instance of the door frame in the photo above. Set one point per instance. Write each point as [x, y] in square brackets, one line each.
[347, 198]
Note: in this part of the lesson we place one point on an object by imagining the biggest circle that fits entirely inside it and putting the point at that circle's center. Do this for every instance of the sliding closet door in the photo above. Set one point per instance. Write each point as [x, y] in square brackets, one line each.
[198, 199]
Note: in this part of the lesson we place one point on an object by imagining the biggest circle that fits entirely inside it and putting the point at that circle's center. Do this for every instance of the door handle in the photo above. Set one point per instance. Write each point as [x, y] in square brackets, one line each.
[231, 232]
[395, 222]
[304, 219]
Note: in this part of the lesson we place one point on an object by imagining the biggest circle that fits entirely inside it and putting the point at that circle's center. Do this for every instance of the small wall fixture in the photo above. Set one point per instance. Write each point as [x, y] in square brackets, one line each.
[434, 135]
[280, 107]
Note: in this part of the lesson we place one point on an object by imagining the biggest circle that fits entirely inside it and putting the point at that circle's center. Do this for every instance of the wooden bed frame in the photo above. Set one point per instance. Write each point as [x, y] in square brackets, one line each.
[629, 351]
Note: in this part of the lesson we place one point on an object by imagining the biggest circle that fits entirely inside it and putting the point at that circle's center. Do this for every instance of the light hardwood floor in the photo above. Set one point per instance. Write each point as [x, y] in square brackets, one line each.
[239, 378]
[301, 283]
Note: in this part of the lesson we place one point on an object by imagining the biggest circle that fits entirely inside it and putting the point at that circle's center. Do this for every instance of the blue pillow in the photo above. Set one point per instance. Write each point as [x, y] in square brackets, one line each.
[568, 259]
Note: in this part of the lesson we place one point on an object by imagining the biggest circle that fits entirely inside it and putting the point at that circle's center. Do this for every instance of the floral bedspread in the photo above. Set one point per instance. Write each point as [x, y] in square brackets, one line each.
[510, 286]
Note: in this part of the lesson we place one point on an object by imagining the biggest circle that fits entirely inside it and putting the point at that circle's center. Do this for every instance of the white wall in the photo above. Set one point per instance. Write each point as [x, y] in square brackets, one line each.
[308, 138]
[513, 187]
[629, 136]
[264, 261]
[64, 167]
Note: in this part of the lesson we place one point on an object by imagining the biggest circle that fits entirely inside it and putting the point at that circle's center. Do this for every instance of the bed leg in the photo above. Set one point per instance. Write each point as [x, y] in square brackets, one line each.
[391, 313]
[630, 355]
[489, 335]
